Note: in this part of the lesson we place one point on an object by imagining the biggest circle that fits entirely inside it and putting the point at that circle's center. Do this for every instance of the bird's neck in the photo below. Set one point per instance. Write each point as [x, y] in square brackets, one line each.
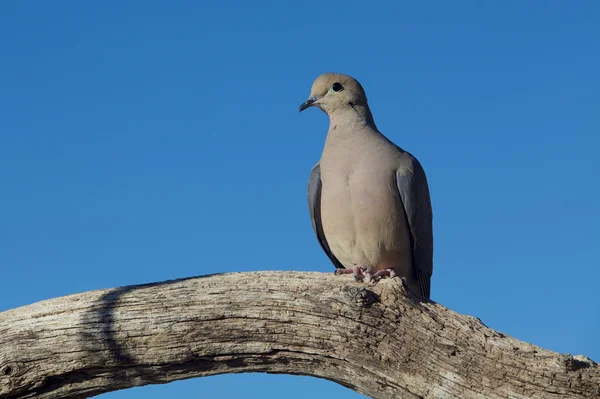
[364, 112]
[352, 118]
[349, 129]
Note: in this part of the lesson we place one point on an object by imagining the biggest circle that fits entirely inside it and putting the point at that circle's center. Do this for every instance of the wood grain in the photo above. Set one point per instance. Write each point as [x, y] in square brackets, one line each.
[376, 339]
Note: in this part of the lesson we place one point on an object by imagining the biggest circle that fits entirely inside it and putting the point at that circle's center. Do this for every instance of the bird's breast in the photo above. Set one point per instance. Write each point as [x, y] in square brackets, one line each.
[362, 214]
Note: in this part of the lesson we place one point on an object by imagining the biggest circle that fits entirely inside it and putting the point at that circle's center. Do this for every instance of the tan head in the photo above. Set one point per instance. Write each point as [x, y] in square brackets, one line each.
[332, 92]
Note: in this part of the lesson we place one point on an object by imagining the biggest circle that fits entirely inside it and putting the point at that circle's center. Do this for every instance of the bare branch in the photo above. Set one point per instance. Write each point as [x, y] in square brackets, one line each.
[375, 339]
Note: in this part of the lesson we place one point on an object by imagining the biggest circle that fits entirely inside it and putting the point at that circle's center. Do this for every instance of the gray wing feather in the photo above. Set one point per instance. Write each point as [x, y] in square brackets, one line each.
[414, 193]
[314, 208]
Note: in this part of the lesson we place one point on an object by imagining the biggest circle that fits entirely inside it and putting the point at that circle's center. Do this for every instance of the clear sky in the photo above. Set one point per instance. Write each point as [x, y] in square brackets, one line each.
[142, 141]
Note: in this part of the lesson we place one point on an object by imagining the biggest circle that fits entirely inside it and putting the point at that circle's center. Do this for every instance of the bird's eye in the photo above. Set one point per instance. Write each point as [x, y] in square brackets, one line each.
[337, 86]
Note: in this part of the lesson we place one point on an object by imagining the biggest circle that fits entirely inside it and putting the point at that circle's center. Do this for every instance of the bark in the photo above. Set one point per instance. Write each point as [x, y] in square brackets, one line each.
[376, 339]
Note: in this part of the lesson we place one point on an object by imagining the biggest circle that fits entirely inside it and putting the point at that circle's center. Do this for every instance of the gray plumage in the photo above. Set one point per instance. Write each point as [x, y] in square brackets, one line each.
[368, 199]
[314, 209]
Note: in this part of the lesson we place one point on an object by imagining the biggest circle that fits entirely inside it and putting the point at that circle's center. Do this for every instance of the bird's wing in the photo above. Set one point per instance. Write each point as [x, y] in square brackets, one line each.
[414, 192]
[314, 208]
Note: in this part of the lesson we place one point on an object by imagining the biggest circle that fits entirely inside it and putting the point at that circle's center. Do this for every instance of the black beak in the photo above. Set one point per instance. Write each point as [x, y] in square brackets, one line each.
[308, 103]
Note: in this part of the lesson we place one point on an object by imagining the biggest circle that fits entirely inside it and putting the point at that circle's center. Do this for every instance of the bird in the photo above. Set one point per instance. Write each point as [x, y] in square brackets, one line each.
[368, 199]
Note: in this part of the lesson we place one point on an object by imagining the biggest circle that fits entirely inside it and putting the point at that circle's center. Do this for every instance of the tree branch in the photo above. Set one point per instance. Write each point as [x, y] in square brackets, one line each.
[376, 339]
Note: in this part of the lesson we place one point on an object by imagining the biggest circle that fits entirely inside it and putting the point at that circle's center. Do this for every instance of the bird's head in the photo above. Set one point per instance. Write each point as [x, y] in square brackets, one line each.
[332, 92]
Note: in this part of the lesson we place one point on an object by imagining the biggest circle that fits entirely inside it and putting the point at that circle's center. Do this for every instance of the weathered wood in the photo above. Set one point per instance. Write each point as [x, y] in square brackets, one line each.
[375, 339]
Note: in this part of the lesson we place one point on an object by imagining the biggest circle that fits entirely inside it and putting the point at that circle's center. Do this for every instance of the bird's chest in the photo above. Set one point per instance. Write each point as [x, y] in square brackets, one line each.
[356, 185]
[359, 209]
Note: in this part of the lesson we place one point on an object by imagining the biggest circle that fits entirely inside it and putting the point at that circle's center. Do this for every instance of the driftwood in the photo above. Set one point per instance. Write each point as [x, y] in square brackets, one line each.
[376, 339]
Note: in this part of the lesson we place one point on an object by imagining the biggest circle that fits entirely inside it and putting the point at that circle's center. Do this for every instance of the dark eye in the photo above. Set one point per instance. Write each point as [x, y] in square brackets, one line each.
[337, 86]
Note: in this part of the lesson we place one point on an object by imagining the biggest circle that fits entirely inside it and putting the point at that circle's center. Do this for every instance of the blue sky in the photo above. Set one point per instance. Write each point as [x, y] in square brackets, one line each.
[142, 141]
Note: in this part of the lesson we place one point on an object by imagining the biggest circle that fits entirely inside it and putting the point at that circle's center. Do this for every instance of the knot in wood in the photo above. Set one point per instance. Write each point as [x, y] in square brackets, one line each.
[574, 363]
[360, 295]
[8, 371]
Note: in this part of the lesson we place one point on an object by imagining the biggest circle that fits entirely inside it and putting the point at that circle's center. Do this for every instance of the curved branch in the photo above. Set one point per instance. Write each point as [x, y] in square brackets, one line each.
[376, 339]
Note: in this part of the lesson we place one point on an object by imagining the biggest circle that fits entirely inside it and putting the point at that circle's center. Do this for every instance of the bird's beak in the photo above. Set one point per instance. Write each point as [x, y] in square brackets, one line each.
[308, 103]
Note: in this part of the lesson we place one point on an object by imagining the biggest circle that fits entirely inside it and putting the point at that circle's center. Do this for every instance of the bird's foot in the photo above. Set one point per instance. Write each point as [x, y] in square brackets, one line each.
[357, 271]
[364, 272]
[385, 273]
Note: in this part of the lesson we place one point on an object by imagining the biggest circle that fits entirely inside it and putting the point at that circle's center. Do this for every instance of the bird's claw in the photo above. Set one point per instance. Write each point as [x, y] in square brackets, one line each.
[357, 272]
[385, 272]
[364, 272]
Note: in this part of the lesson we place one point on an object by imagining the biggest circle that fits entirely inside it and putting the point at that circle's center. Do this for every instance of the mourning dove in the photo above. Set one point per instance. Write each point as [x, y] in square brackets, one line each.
[368, 198]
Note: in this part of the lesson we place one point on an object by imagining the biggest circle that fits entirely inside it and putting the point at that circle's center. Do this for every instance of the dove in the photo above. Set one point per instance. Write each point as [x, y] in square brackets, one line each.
[368, 199]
